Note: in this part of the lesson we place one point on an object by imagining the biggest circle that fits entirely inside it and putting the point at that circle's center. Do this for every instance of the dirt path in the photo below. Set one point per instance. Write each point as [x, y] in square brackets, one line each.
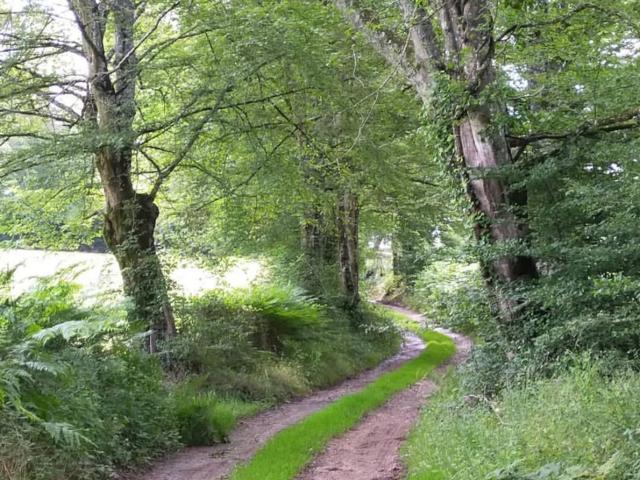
[210, 463]
[370, 451]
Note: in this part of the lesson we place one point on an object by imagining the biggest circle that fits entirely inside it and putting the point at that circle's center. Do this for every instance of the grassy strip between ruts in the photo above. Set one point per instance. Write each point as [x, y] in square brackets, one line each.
[289, 451]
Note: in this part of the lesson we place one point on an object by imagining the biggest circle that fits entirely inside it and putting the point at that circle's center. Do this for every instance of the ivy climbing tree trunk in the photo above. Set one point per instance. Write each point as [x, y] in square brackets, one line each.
[347, 218]
[463, 53]
[130, 216]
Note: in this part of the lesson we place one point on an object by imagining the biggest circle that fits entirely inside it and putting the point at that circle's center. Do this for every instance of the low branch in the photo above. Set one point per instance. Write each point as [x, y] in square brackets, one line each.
[35, 113]
[22, 134]
[421, 181]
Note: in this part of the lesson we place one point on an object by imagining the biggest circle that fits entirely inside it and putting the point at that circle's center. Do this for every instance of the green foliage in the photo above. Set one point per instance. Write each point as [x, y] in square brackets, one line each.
[105, 414]
[579, 424]
[203, 419]
[251, 136]
[77, 402]
[271, 343]
[453, 295]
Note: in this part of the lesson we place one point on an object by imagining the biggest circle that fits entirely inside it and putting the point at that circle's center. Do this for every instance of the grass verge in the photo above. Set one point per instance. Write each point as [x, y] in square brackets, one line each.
[287, 453]
[579, 425]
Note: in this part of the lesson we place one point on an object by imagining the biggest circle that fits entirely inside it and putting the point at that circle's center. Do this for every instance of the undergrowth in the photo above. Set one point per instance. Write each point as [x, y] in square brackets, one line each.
[79, 400]
[577, 425]
[271, 343]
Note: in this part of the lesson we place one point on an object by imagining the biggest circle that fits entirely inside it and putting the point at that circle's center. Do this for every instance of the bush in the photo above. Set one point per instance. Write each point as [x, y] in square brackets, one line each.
[566, 320]
[269, 344]
[452, 295]
[78, 404]
[203, 420]
[101, 415]
[579, 424]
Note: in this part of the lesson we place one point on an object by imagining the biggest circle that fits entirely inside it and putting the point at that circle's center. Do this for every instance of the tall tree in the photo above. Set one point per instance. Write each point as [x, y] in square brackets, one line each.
[123, 110]
[454, 42]
[130, 216]
[462, 50]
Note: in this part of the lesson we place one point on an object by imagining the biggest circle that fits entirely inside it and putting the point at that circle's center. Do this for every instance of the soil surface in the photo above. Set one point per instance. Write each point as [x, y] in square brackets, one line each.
[371, 450]
[211, 463]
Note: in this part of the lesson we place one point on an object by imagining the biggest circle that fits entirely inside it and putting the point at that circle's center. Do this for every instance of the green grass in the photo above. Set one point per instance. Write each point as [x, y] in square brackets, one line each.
[286, 454]
[580, 425]
[206, 419]
[402, 321]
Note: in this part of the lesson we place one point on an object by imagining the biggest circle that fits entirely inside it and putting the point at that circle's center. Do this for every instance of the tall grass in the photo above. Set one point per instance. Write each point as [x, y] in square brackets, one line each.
[579, 425]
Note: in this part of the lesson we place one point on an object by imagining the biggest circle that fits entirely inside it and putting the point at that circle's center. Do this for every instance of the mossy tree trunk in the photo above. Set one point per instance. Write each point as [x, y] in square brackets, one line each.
[319, 249]
[129, 233]
[130, 217]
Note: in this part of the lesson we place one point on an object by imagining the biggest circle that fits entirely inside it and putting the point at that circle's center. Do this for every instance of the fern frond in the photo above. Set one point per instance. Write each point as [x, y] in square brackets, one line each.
[62, 432]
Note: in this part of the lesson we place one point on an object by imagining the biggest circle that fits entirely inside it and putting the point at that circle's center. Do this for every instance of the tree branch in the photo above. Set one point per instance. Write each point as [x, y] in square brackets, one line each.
[622, 121]
[251, 176]
[184, 151]
[393, 51]
[564, 18]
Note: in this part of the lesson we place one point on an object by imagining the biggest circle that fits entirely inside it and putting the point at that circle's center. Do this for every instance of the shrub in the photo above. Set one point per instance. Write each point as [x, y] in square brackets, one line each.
[272, 343]
[203, 420]
[453, 295]
[78, 403]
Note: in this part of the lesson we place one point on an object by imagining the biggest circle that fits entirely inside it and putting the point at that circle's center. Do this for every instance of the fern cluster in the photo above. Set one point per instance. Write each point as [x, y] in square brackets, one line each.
[75, 400]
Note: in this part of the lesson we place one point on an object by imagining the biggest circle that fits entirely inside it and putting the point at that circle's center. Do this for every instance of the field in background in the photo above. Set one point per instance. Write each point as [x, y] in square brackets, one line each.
[97, 273]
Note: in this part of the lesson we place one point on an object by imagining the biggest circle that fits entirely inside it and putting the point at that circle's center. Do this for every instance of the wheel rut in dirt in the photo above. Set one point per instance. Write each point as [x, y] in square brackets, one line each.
[371, 450]
[211, 463]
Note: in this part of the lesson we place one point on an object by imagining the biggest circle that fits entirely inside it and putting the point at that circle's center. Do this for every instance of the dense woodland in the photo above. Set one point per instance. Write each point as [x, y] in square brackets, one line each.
[477, 161]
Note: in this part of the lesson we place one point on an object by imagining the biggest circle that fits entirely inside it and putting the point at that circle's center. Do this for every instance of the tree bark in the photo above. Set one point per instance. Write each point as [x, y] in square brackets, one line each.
[129, 232]
[483, 153]
[130, 217]
[347, 219]
[319, 246]
[482, 144]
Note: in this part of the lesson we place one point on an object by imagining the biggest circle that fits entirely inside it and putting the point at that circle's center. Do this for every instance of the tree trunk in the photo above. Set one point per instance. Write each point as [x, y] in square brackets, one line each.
[129, 232]
[498, 222]
[318, 242]
[407, 248]
[481, 143]
[130, 217]
[347, 219]
[482, 154]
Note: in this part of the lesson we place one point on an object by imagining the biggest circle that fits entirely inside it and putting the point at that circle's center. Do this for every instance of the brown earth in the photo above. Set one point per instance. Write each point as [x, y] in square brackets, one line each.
[371, 450]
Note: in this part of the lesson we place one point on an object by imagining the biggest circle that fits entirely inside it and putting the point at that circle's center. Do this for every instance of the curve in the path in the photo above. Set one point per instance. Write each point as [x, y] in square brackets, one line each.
[211, 463]
[371, 450]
